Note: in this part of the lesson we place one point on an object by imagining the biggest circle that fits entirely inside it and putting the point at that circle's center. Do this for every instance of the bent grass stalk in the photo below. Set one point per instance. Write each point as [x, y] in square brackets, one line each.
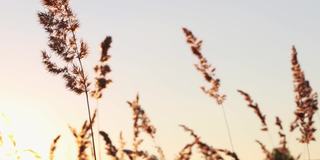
[260, 115]
[208, 72]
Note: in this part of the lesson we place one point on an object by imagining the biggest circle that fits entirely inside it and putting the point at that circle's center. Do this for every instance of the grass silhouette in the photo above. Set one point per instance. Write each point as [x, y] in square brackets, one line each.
[61, 24]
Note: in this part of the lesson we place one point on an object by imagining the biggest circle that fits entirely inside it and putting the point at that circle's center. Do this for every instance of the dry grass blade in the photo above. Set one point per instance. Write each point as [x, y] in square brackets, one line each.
[283, 137]
[205, 68]
[102, 69]
[131, 154]
[265, 151]
[256, 109]
[141, 122]
[35, 154]
[53, 147]
[134, 154]
[283, 150]
[110, 148]
[306, 102]
[83, 138]
[186, 152]
[229, 153]
[207, 151]
[187, 129]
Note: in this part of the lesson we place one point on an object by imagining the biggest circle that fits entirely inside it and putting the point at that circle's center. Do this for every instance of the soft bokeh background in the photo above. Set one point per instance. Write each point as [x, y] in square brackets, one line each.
[248, 41]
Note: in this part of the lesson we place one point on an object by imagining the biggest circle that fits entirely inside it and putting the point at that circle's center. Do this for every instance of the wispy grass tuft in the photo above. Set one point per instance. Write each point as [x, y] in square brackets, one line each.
[208, 152]
[83, 138]
[306, 103]
[53, 147]
[256, 109]
[61, 24]
[208, 72]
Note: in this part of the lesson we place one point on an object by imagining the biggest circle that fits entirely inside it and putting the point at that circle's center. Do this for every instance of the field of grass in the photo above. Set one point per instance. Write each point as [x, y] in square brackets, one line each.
[64, 59]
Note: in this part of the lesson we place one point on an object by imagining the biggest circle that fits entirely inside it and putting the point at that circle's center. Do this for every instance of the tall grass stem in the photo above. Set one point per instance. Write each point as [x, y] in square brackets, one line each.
[87, 99]
[308, 149]
[228, 128]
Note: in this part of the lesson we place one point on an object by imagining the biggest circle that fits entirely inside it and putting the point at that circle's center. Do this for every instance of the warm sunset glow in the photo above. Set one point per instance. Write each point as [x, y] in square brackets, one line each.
[178, 75]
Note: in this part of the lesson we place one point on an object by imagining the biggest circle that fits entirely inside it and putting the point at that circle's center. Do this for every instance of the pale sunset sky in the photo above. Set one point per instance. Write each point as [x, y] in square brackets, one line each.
[248, 41]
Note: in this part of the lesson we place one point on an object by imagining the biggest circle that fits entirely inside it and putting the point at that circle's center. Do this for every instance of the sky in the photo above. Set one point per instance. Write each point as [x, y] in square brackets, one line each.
[248, 41]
